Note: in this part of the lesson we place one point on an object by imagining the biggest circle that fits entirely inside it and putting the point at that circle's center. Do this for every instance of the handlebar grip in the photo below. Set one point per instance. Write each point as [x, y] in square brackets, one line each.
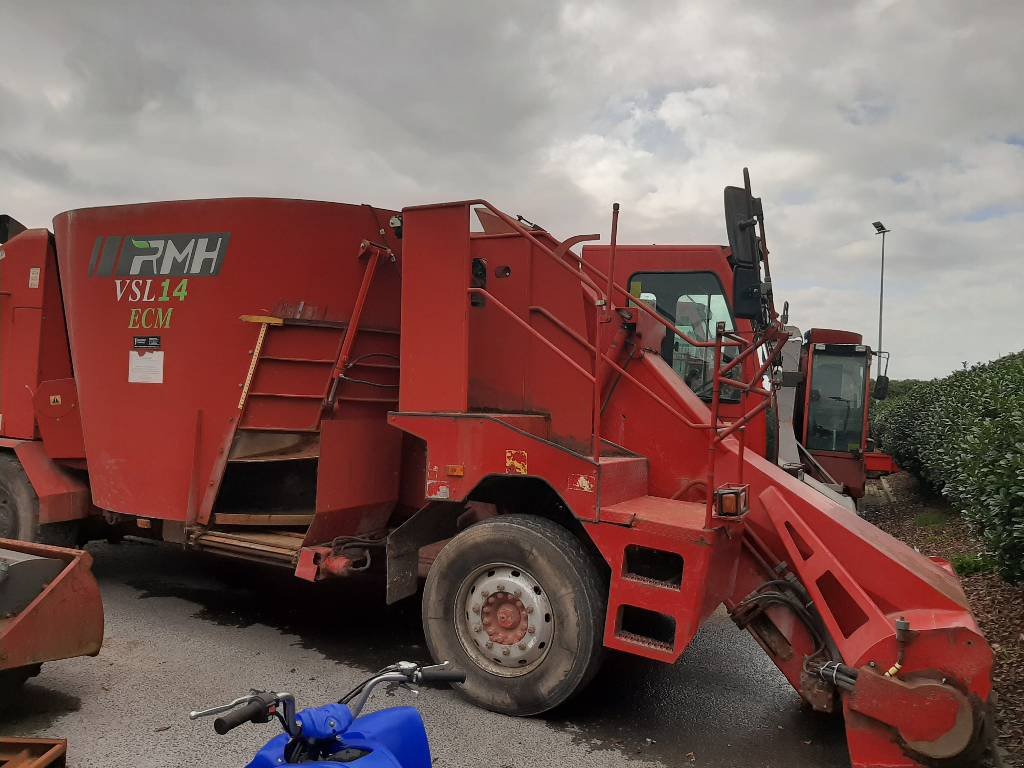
[440, 676]
[236, 717]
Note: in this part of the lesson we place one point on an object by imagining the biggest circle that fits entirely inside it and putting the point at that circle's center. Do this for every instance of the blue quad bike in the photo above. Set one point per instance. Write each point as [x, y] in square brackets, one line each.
[335, 733]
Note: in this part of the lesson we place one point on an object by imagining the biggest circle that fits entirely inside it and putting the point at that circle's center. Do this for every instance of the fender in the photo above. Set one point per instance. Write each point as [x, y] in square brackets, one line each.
[62, 496]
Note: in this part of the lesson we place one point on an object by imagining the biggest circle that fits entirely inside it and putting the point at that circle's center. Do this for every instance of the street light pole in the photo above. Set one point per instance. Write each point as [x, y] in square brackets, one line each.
[881, 230]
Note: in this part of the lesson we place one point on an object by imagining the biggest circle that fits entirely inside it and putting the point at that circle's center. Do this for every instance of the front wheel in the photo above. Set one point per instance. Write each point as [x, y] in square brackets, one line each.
[517, 603]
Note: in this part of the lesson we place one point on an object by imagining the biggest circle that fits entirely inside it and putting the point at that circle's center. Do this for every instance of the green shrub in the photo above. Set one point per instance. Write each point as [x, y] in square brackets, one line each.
[963, 436]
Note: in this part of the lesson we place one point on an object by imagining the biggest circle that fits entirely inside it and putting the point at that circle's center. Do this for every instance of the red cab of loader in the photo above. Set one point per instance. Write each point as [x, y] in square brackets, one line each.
[331, 387]
[833, 393]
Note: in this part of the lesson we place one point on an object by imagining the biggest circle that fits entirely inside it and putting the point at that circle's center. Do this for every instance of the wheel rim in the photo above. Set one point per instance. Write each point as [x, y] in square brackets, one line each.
[504, 619]
[8, 517]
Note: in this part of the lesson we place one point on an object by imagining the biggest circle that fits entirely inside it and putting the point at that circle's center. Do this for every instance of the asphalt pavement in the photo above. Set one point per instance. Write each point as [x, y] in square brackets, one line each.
[185, 630]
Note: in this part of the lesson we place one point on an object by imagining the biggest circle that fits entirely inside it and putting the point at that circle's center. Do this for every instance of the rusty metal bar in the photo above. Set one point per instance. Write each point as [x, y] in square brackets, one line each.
[747, 417]
[352, 332]
[713, 444]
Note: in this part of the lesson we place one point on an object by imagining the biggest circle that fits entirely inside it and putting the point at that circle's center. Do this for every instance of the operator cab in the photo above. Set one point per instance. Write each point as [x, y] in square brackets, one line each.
[836, 403]
[695, 303]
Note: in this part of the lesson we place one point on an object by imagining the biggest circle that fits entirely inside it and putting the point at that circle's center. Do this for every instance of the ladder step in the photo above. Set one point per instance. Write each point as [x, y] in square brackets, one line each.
[274, 546]
[283, 519]
[287, 396]
[287, 359]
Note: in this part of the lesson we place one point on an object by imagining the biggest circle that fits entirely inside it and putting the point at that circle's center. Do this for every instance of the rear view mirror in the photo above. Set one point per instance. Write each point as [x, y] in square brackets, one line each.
[742, 211]
[881, 389]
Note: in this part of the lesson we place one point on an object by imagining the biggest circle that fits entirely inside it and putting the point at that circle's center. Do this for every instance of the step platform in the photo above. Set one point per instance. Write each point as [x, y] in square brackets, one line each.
[673, 573]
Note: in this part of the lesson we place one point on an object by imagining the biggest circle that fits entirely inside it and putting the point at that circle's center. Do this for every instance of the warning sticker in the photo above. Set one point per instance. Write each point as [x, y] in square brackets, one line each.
[33, 277]
[145, 367]
[146, 342]
[515, 462]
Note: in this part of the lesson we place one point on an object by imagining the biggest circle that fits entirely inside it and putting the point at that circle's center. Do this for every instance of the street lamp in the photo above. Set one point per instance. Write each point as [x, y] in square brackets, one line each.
[881, 230]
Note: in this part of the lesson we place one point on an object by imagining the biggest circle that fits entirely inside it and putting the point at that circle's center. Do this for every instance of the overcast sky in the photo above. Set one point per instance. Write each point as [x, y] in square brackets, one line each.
[909, 112]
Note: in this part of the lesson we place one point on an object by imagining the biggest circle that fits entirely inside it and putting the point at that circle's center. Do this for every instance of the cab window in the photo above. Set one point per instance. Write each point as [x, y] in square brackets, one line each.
[695, 303]
[836, 409]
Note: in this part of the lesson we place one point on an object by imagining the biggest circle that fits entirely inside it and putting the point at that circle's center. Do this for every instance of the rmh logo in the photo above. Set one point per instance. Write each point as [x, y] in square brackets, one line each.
[198, 255]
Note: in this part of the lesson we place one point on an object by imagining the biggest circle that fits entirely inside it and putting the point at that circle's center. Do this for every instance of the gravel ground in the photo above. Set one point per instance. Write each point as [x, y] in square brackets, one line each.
[932, 527]
[183, 630]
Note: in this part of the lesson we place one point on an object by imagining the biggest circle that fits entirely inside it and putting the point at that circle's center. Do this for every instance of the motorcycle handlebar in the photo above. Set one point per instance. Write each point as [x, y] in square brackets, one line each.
[440, 676]
[236, 717]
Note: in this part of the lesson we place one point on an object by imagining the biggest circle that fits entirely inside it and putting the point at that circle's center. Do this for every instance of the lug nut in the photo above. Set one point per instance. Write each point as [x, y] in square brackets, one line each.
[530, 609]
[476, 609]
[522, 646]
[484, 592]
[506, 652]
[476, 627]
[518, 593]
[489, 644]
[531, 630]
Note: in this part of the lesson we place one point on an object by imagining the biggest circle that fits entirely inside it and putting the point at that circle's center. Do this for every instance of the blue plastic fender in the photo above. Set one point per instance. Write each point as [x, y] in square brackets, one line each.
[394, 738]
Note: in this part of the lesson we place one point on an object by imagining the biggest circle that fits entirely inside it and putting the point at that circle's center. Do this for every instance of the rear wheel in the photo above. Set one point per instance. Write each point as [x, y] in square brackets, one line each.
[19, 509]
[517, 603]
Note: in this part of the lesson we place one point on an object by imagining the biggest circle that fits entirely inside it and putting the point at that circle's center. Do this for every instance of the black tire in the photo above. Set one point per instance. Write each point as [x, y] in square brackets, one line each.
[572, 585]
[19, 509]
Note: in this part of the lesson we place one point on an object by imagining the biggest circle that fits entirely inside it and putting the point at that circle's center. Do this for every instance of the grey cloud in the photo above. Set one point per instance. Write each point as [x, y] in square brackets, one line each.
[844, 112]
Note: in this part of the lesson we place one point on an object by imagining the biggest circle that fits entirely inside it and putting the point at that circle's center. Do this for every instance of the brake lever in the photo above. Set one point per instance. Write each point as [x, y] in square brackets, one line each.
[196, 714]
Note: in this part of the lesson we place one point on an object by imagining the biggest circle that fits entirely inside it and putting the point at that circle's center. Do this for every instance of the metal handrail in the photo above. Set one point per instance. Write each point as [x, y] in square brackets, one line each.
[550, 345]
[604, 301]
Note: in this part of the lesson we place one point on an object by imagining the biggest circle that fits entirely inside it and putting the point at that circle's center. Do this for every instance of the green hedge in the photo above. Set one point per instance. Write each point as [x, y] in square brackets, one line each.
[963, 436]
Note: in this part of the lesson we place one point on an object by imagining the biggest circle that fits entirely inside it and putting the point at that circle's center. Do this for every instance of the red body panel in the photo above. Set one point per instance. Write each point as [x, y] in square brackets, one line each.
[154, 446]
[33, 342]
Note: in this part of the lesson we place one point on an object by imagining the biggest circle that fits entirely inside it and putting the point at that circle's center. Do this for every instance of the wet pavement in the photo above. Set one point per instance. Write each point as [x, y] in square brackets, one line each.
[185, 630]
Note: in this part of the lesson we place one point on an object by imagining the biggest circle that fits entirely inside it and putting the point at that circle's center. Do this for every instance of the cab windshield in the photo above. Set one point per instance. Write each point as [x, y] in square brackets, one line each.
[695, 303]
[836, 409]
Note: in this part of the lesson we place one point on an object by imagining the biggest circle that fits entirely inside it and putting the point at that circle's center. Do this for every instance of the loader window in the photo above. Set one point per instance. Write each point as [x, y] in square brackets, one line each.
[695, 303]
[836, 410]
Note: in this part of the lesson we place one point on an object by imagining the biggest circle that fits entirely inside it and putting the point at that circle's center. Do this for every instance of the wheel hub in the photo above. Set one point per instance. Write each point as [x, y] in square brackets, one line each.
[504, 619]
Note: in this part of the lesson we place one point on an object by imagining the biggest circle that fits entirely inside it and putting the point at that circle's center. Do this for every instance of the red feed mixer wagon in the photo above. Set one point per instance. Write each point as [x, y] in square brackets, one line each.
[334, 387]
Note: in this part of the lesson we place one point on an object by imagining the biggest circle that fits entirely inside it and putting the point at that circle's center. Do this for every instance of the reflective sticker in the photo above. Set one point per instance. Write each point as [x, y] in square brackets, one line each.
[438, 489]
[145, 367]
[585, 483]
[515, 462]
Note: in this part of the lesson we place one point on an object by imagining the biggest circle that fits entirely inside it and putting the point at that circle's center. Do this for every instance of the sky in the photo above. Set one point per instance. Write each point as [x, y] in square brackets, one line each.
[845, 113]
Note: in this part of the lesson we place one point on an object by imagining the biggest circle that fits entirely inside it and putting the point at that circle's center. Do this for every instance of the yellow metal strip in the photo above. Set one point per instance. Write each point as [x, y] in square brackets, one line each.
[252, 364]
[265, 319]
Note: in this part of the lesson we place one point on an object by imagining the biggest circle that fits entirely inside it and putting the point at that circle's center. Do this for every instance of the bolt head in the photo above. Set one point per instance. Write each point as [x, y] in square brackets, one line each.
[501, 587]
[529, 609]
[484, 592]
[518, 593]
[506, 652]
[522, 646]
[477, 628]
[531, 630]
[488, 644]
[476, 609]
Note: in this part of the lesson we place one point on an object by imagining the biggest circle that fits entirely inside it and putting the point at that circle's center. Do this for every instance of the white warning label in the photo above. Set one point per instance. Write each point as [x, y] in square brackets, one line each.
[33, 277]
[145, 367]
